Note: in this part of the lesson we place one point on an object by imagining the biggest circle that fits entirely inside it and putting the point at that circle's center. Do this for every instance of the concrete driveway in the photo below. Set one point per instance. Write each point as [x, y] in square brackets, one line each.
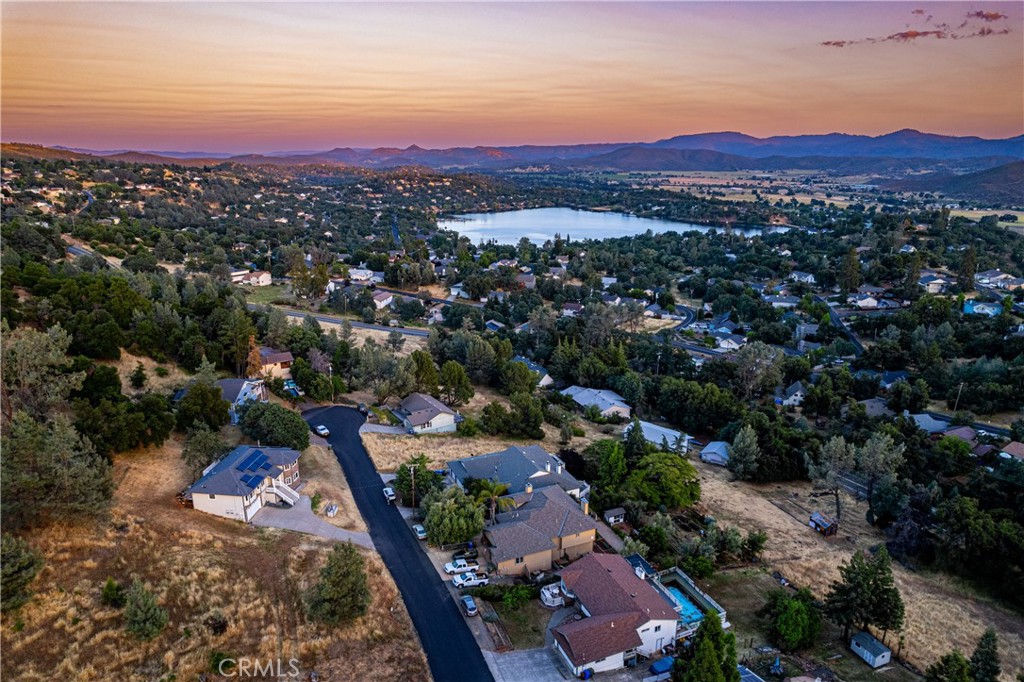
[301, 519]
[382, 428]
[528, 665]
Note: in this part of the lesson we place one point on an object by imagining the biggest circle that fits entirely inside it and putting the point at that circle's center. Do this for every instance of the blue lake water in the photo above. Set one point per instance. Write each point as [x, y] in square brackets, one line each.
[540, 224]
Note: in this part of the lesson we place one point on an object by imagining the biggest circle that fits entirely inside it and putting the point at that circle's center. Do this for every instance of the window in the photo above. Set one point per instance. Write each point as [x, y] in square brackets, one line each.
[213, 497]
[657, 628]
[519, 559]
[288, 480]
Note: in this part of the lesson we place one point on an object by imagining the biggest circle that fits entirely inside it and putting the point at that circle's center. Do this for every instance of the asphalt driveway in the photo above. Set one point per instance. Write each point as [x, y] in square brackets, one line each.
[452, 652]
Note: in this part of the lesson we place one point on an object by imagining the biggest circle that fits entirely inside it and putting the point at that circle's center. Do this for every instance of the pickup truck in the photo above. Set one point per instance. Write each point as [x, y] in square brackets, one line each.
[470, 580]
[460, 566]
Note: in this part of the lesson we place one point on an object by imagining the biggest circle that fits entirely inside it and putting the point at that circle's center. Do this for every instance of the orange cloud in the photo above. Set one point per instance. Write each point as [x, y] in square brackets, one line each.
[986, 16]
[937, 31]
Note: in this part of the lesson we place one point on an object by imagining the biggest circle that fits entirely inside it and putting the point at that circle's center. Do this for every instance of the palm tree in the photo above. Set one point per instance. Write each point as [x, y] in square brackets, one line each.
[490, 494]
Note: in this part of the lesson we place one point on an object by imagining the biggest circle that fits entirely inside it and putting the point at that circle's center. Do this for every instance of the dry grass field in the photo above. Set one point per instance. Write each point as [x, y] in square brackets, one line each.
[196, 564]
[323, 474]
[941, 612]
[175, 378]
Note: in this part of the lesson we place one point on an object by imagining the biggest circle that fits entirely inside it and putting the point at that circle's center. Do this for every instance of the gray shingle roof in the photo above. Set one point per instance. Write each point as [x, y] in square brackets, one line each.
[515, 466]
[548, 513]
[602, 398]
[243, 469]
[420, 408]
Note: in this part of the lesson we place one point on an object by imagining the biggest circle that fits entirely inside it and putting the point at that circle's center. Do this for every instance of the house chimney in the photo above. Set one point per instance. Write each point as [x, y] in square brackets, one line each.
[558, 469]
[547, 466]
[529, 488]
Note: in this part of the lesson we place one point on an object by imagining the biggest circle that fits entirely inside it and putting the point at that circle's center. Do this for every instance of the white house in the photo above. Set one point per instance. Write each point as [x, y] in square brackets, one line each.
[659, 435]
[870, 649]
[571, 309]
[239, 484]
[785, 302]
[360, 274]
[715, 452]
[421, 413]
[862, 301]
[727, 341]
[934, 284]
[545, 378]
[799, 276]
[260, 278]
[794, 395]
[382, 299]
[238, 275]
[607, 402]
[239, 392]
[624, 615]
[908, 248]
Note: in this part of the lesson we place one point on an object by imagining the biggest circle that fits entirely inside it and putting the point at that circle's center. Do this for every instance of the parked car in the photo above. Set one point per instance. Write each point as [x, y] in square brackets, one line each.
[421, 532]
[470, 580]
[461, 566]
[363, 409]
[469, 606]
[321, 430]
[466, 555]
[389, 494]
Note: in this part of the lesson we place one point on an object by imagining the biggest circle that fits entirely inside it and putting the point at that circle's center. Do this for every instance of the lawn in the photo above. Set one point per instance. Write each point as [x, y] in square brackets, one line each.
[264, 295]
[526, 625]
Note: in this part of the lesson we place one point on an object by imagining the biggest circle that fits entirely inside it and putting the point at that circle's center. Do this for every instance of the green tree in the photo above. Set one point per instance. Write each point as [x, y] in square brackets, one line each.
[138, 376]
[203, 403]
[452, 517]
[456, 388]
[612, 467]
[424, 372]
[836, 460]
[665, 479]
[113, 594]
[19, 564]
[878, 457]
[745, 454]
[516, 377]
[794, 621]
[342, 593]
[849, 271]
[144, 618]
[952, 667]
[866, 595]
[416, 469]
[718, 660]
[396, 340]
[985, 659]
[968, 267]
[704, 667]
[202, 448]
[275, 425]
[635, 446]
[491, 495]
[34, 367]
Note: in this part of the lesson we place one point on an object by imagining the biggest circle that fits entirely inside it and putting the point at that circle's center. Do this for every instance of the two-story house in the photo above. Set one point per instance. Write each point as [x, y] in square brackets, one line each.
[240, 483]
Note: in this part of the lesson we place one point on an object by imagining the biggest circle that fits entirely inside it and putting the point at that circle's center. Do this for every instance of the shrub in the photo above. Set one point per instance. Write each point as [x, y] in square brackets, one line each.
[143, 616]
[342, 593]
[161, 371]
[19, 564]
[113, 594]
[216, 622]
[220, 662]
[275, 425]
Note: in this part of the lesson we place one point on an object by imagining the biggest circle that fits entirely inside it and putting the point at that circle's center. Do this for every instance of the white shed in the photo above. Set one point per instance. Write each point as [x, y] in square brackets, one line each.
[870, 649]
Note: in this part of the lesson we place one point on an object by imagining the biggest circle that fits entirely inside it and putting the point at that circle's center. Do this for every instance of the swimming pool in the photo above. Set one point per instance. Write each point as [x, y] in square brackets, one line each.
[689, 613]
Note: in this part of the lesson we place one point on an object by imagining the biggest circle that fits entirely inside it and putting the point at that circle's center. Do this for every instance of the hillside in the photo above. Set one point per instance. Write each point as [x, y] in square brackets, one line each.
[1001, 185]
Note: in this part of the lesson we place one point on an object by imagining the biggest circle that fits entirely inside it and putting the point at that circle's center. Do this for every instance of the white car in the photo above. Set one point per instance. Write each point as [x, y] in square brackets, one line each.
[470, 580]
[389, 494]
[460, 566]
[321, 430]
[421, 532]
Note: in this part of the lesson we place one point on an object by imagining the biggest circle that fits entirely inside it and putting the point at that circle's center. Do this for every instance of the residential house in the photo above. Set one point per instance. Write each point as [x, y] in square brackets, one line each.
[571, 309]
[625, 615]
[794, 395]
[908, 248]
[527, 281]
[421, 413]
[494, 325]
[239, 484]
[992, 277]
[805, 346]
[964, 433]
[889, 378]
[715, 452]
[975, 307]
[435, 315]
[383, 299]
[862, 301]
[519, 467]
[803, 330]
[669, 440]
[928, 423]
[544, 526]
[545, 378]
[608, 403]
[275, 363]
[1014, 450]
[360, 274]
[1012, 284]
[611, 299]
[934, 284]
[614, 516]
[260, 278]
[239, 392]
[799, 276]
[785, 302]
[608, 281]
[727, 341]
[238, 275]
[876, 407]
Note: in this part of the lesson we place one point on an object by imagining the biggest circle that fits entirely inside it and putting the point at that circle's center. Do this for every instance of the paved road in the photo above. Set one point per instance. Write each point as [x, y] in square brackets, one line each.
[334, 319]
[301, 519]
[837, 322]
[977, 426]
[452, 652]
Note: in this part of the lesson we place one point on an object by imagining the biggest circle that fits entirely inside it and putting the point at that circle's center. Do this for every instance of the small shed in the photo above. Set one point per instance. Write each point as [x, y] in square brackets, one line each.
[716, 452]
[615, 516]
[823, 524]
[870, 649]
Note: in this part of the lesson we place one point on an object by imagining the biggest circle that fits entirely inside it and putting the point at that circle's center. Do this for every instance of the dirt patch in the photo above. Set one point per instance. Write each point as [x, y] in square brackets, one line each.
[934, 602]
[175, 379]
[323, 475]
[195, 564]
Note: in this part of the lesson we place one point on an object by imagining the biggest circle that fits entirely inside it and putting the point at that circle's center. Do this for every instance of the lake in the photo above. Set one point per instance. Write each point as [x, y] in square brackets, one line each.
[540, 224]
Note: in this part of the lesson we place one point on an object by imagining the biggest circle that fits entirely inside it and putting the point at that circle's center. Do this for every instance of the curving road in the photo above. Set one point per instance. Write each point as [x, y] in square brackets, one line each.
[335, 319]
[452, 652]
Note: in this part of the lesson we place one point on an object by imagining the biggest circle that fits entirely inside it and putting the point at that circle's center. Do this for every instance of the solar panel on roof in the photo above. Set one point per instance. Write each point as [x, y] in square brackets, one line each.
[246, 463]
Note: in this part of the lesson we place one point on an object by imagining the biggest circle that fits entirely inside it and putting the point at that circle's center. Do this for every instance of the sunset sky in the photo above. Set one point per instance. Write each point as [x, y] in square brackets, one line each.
[303, 76]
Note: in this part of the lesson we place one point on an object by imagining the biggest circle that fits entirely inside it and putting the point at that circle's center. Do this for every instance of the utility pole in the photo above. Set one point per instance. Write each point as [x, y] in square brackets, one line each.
[959, 391]
[412, 469]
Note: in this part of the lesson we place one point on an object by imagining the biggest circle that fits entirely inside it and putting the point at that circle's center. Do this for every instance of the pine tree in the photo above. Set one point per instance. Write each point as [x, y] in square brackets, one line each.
[715, 654]
[886, 611]
[636, 444]
[836, 459]
[952, 667]
[19, 565]
[113, 594]
[253, 361]
[342, 593]
[456, 388]
[704, 667]
[847, 603]
[138, 376]
[744, 454]
[985, 659]
[965, 273]
[143, 616]
[849, 277]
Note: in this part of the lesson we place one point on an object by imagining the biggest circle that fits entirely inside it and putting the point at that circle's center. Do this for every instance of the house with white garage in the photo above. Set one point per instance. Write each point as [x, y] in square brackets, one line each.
[240, 392]
[260, 278]
[794, 395]
[799, 276]
[239, 484]
[422, 413]
[383, 299]
[660, 436]
[624, 615]
[608, 403]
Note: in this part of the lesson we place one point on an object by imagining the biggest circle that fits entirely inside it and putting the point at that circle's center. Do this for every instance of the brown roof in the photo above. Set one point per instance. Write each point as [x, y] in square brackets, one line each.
[421, 408]
[1014, 449]
[382, 296]
[547, 514]
[592, 639]
[269, 356]
[606, 583]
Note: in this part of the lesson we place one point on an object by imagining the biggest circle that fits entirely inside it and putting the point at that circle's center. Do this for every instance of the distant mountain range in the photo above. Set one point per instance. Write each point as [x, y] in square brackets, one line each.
[896, 156]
